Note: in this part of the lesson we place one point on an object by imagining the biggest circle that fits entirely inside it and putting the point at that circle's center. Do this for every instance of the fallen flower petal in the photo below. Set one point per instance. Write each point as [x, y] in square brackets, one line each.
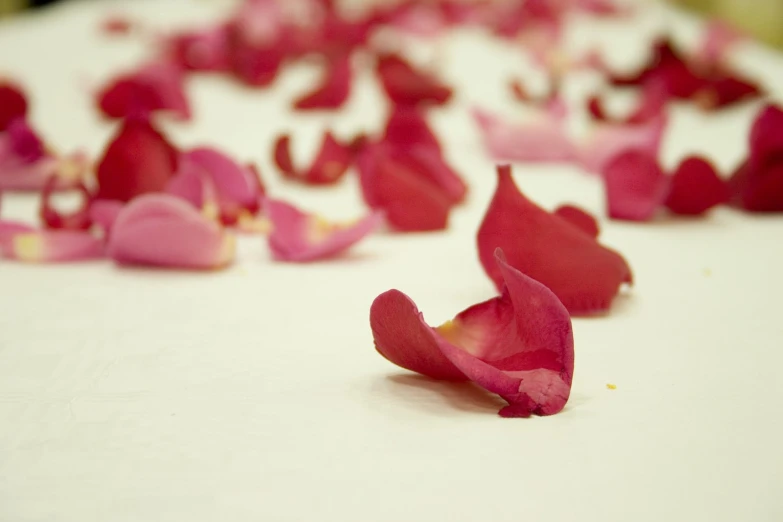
[581, 219]
[54, 219]
[206, 50]
[584, 275]
[407, 86]
[695, 188]
[329, 166]
[519, 345]
[407, 128]
[162, 230]
[635, 186]
[137, 161]
[13, 104]
[21, 142]
[158, 86]
[333, 90]
[69, 171]
[650, 107]
[104, 212]
[50, 246]
[766, 134]
[300, 237]
[608, 140]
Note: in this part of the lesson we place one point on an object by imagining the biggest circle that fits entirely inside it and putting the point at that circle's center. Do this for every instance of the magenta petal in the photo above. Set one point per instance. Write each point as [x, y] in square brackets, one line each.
[635, 186]
[50, 246]
[54, 219]
[158, 86]
[104, 212]
[607, 141]
[162, 230]
[542, 140]
[68, 171]
[299, 237]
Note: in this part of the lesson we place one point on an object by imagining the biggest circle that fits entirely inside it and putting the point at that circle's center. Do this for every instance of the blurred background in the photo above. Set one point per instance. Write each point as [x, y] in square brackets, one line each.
[761, 18]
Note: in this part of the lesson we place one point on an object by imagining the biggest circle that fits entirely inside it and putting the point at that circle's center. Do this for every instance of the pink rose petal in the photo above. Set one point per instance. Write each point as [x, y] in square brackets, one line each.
[299, 237]
[607, 141]
[162, 230]
[48, 246]
[104, 212]
[157, 86]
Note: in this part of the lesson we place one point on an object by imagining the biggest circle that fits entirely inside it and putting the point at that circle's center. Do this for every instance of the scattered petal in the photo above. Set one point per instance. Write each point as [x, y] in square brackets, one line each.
[330, 165]
[54, 219]
[695, 188]
[300, 237]
[635, 186]
[104, 212]
[766, 134]
[651, 107]
[607, 141]
[580, 218]
[333, 90]
[405, 85]
[158, 86]
[584, 275]
[407, 127]
[206, 50]
[49, 246]
[162, 230]
[13, 104]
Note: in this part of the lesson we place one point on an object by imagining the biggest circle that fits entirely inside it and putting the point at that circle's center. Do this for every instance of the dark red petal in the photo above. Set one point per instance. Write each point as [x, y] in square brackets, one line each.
[334, 88]
[23, 142]
[157, 86]
[282, 156]
[635, 186]
[580, 218]
[407, 127]
[401, 336]
[138, 160]
[695, 188]
[759, 187]
[408, 86]
[53, 218]
[766, 134]
[13, 104]
[725, 88]
[584, 275]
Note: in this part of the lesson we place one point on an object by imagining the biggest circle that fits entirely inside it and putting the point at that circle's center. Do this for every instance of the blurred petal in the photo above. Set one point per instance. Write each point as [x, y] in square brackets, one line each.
[407, 86]
[329, 166]
[104, 212]
[50, 246]
[54, 219]
[333, 90]
[695, 188]
[607, 141]
[13, 104]
[635, 186]
[157, 86]
[651, 107]
[407, 127]
[205, 50]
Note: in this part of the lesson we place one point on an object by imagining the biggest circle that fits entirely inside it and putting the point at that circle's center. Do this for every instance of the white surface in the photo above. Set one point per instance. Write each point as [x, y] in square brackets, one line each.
[255, 394]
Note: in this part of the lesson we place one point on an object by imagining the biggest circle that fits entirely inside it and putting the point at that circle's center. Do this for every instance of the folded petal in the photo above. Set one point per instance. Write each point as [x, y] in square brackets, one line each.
[635, 186]
[580, 218]
[544, 139]
[54, 219]
[608, 140]
[329, 166]
[584, 275]
[333, 90]
[137, 161]
[406, 85]
[300, 237]
[13, 104]
[162, 230]
[695, 188]
[49, 246]
[21, 142]
[519, 345]
[157, 86]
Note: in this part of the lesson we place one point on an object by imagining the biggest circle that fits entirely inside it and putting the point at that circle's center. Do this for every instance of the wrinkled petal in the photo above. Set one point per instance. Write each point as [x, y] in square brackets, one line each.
[580, 218]
[104, 212]
[695, 188]
[607, 141]
[329, 166]
[13, 104]
[407, 86]
[584, 275]
[158, 86]
[54, 219]
[543, 140]
[49, 246]
[333, 90]
[137, 161]
[519, 345]
[162, 230]
[635, 186]
[298, 236]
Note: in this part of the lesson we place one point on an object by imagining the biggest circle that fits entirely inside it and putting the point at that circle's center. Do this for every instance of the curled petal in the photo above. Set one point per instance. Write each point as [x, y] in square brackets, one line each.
[519, 345]
[299, 237]
[13, 104]
[193, 185]
[104, 212]
[137, 161]
[158, 86]
[330, 165]
[54, 219]
[584, 275]
[50, 246]
[162, 230]
[651, 107]
[635, 186]
[695, 188]
[542, 140]
[580, 218]
[9, 228]
[334, 88]
[407, 86]
[607, 141]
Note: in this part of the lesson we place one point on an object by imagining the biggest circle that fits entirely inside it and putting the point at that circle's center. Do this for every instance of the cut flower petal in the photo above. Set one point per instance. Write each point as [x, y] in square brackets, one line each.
[695, 188]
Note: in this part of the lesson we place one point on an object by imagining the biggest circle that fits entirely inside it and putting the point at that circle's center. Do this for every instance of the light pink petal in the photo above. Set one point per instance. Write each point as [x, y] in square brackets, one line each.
[165, 231]
[607, 141]
[68, 170]
[636, 187]
[9, 228]
[49, 246]
[299, 237]
[542, 140]
[104, 212]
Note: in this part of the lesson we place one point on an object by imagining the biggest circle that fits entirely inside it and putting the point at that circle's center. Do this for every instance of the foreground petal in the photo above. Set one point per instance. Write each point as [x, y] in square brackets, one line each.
[580, 218]
[297, 236]
[162, 230]
[695, 188]
[635, 186]
[584, 275]
[104, 212]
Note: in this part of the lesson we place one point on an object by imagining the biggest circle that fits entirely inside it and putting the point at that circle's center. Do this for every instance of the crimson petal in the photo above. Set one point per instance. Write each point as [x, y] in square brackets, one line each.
[54, 219]
[580, 218]
[13, 104]
[407, 127]
[635, 186]
[695, 188]
[333, 90]
[329, 166]
[158, 86]
[407, 86]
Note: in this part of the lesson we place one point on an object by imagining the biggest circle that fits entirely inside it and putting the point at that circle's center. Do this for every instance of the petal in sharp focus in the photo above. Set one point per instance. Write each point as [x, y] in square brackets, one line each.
[584, 275]
[157, 86]
[329, 166]
[138, 160]
[695, 188]
[164, 231]
[580, 218]
[49, 246]
[406, 85]
[13, 104]
[636, 187]
[334, 88]
[299, 237]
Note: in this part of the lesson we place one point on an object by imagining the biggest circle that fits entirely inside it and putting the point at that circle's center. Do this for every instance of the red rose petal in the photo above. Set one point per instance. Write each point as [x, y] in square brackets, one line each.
[256, 42]
[333, 90]
[407, 86]
[580, 218]
[158, 86]
[49, 246]
[137, 161]
[329, 166]
[608, 140]
[13, 104]
[584, 275]
[21, 141]
[519, 345]
[54, 219]
[300, 237]
[635, 186]
[759, 187]
[695, 188]
[407, 127]
[650, 107]
[766, 134]
[162, 230]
